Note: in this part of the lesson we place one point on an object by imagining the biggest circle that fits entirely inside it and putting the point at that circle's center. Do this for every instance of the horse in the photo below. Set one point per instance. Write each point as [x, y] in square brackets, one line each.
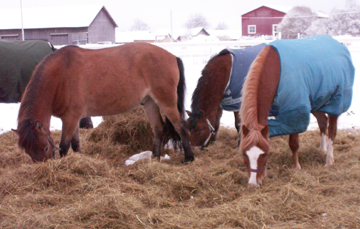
[73, 83]
[18, 61]
[219, 89]
[287, 81]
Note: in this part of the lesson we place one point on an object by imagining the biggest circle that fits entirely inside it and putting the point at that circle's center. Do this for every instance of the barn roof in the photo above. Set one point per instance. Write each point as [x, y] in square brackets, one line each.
[51, 17]
[285, 9]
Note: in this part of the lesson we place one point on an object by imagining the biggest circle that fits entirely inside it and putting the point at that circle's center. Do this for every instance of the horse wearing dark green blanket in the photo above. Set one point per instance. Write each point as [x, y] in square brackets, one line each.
[289, 80]
[18, 60]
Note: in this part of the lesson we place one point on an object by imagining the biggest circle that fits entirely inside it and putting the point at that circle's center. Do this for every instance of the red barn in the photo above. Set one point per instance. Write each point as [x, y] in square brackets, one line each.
[263, 20]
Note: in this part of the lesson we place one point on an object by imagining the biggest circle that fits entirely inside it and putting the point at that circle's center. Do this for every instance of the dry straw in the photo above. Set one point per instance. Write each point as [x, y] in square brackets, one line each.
[94, 189]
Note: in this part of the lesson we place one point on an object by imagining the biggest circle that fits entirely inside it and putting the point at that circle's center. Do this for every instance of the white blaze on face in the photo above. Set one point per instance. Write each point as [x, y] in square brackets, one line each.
[253, 155]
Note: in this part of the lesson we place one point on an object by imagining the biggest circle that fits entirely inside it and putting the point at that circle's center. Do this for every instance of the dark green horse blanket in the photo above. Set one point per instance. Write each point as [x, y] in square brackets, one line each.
[18, 60]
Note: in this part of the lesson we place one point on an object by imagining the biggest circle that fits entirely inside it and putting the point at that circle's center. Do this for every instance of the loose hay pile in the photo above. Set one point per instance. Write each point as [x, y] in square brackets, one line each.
[95, 189]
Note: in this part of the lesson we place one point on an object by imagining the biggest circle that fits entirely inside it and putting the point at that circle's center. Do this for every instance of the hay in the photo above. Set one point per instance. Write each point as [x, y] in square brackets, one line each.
[94, 189]
[131, 128]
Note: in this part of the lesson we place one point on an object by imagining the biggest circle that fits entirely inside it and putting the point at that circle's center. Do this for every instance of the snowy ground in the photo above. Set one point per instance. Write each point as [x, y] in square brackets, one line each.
[195, 57]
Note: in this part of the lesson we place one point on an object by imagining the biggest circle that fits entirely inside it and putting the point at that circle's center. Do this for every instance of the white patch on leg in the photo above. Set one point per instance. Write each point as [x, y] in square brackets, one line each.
[323, 143]
[330, 156]
[253, 155]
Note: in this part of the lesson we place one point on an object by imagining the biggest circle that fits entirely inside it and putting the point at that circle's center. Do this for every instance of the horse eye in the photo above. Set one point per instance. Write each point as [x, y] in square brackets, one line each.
[46, 149]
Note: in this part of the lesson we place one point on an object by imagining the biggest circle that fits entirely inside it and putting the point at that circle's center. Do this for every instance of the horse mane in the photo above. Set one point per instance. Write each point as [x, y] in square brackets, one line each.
[26, 121]
[207, 78]
[249, 105]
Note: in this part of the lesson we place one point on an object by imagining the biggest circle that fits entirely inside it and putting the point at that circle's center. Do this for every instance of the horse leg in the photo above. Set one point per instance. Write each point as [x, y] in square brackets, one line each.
[174, 117]
[238, 125]
[331, 138]
[75, 140]
[323, 124]
[67, 134]
[294, 146]
[217, 123]
[153, 114]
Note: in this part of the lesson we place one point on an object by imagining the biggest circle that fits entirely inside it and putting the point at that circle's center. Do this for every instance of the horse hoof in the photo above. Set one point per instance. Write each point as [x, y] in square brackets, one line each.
[157, 158]
[188, 160]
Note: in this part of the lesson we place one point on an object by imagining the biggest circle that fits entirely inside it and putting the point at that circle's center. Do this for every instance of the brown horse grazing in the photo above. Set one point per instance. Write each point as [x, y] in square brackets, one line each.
[289, 80]
[72, 83]
[219, 89]
[204, 120]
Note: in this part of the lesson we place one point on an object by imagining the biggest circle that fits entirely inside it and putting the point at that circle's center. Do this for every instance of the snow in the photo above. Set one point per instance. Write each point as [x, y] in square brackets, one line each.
[195, 58]
[142, 156]
[34, 17]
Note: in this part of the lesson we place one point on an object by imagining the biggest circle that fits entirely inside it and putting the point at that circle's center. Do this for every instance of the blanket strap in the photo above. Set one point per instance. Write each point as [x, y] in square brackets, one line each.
[212, 133]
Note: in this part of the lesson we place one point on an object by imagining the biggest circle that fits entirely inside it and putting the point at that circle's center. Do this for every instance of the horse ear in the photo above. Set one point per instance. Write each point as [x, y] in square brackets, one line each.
[16, 132]
[265, 131]
[39, 127]
[245, 131]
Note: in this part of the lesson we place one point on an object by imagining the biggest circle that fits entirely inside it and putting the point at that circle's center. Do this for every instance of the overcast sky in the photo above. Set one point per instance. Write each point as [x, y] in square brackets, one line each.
[161, 14]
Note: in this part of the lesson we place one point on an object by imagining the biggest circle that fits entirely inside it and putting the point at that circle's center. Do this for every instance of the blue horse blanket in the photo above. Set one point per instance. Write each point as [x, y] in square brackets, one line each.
[317, 74]
[242, 59]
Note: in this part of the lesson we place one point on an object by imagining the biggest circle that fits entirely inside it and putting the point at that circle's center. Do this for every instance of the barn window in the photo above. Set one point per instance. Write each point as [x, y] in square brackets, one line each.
[251, 29]
[10, 36]
[275, 27]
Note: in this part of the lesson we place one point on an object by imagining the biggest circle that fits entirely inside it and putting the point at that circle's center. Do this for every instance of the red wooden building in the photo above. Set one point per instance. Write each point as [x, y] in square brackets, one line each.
[263, 20]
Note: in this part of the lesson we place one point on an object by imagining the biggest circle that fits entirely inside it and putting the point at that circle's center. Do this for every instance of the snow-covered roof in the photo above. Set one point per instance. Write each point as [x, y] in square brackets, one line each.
[131, 36]
[232, 34]
[283, 9]
[204, 38]
[286, 9]
[50, 17]
[176, 33]
[321, 14]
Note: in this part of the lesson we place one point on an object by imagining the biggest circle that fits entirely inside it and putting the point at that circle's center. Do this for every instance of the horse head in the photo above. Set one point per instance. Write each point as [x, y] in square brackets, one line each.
[201, 130]
[255, 147]
[35, 140]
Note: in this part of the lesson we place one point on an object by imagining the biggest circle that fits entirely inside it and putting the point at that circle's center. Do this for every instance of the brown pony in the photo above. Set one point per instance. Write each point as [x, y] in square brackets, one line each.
[218, 89]
[204, 118]
[260, 91]
[73, 83]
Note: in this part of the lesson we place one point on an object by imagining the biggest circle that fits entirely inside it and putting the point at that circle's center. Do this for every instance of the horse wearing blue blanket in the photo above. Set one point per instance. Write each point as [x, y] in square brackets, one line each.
[218, 89]
[287, 81]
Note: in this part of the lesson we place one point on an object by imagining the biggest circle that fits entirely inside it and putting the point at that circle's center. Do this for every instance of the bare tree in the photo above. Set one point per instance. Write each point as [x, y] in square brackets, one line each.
[340, 22]
[139, 25]
[345, 21]
[350, 4]
[221, 26]
[297, 20]
[196, 20]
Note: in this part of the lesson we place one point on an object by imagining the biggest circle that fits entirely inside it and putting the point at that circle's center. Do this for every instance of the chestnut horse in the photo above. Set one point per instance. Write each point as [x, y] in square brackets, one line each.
[73, 83]
[218, 89]
[317, 74]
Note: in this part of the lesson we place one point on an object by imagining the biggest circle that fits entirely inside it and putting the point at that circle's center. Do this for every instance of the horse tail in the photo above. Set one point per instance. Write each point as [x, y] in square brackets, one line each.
[169, 130]
[181, 88]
